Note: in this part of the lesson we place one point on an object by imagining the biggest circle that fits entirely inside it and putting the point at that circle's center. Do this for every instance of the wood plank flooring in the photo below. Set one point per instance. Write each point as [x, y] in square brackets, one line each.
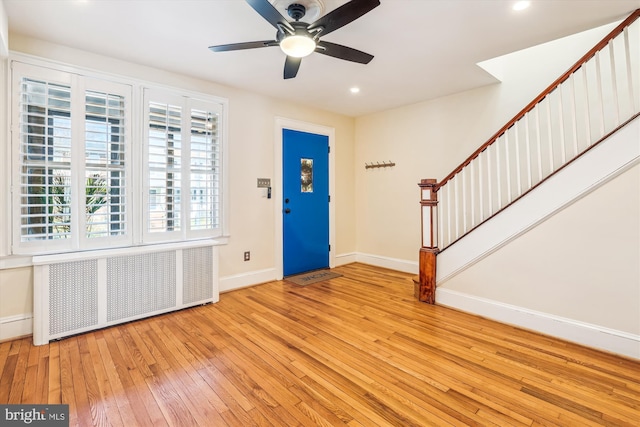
[357, 350]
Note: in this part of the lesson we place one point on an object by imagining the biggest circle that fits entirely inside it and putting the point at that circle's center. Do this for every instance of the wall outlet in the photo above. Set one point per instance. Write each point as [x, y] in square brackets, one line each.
[264, 182]
[247, 256]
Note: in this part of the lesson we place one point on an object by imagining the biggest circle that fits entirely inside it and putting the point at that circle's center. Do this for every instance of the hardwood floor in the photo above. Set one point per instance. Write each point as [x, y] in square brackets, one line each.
[357, 350]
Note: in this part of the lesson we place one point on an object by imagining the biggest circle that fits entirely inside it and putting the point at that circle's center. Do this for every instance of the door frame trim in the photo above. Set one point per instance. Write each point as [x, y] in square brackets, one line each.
[285, 123]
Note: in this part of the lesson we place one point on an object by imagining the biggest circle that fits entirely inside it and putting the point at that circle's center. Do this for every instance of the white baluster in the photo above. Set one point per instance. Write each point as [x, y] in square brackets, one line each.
[498, 174]
[614, 83]
[457, 205]
[449, 210]
[627, 55]
[599, 85]
[507, 159]
[480, 185]
[563, 154]
[473, 190]
[518, 168]
[549, 130]
[574, 123]
[588, 109]
[464, 199]
[489, 186]
[441, 219]
[538, 140]
[528, 148]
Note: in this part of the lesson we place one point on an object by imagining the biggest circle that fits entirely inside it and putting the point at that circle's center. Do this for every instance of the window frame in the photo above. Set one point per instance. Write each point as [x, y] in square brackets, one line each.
[135, 155]
[187, 104]
[18, 72]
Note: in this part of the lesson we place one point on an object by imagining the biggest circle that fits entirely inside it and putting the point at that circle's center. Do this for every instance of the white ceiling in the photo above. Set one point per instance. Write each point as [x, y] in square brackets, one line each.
[423, 48]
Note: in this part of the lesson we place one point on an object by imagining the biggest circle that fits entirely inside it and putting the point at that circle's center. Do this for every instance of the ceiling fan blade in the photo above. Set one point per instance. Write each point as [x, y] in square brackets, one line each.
[270, 13]
[291, 66]
[343, 15]
[343, 52]
[242, 46]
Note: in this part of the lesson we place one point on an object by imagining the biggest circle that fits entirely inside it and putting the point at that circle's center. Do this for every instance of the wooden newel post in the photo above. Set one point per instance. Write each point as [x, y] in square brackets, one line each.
[429, 250]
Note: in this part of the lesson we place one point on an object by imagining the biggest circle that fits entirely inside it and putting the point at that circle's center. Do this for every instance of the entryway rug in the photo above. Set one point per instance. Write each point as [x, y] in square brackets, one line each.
[312, 277]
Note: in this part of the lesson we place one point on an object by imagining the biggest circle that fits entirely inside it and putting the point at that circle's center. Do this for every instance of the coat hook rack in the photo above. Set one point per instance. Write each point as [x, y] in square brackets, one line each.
[384, 164]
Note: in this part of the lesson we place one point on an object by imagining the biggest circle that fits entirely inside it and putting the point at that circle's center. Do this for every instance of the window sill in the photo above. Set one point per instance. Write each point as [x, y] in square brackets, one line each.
[17, 261]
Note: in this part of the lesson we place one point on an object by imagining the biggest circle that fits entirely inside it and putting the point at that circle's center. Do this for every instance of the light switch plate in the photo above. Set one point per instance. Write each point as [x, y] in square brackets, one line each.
[264, 182]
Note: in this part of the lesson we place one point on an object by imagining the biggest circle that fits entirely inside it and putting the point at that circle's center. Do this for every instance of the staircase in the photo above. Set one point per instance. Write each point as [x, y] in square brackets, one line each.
[578, 134]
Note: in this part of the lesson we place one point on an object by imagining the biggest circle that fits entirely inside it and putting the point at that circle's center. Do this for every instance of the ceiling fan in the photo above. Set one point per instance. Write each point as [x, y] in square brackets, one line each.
[298, 39]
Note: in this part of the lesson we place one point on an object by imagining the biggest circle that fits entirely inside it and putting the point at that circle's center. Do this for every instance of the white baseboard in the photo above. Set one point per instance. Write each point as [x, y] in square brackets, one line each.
[12, 327]
[594, 336]
[403, 265]
[344, 259]
[243, 280]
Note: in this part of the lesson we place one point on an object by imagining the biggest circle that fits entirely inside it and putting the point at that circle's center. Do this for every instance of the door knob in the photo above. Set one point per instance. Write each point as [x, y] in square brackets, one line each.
[287, 210]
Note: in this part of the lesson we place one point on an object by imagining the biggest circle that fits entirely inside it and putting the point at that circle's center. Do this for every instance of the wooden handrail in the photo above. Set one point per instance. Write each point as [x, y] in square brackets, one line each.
[630, 19]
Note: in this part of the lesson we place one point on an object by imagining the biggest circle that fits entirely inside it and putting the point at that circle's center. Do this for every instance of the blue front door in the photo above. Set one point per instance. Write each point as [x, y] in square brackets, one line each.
[305, 201]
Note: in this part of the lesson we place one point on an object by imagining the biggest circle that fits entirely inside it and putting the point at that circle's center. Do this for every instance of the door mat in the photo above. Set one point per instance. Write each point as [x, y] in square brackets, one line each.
[312, 277]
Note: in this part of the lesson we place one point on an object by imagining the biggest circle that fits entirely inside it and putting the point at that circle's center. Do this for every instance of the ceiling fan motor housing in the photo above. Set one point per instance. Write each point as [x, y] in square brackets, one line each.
[296, 11]
[300, 29]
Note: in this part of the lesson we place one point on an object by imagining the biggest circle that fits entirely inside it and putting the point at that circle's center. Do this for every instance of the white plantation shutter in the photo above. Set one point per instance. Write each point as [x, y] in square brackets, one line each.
[105, 161]
[45, 160]
[204, 173]
[183, 153]
[70, 169]
[164, 208]
[90, 172]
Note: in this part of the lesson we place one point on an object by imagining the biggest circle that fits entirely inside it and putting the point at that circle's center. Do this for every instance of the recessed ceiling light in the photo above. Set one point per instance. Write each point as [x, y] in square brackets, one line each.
[354, 89]
[521, 5]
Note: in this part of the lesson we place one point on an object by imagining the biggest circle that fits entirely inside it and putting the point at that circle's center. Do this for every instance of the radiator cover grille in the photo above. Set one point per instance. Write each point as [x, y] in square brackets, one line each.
[73, 295]
[140, 284]
[197, 273]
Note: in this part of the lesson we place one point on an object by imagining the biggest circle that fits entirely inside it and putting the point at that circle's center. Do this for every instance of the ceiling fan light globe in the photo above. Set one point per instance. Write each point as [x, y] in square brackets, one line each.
[298, 46]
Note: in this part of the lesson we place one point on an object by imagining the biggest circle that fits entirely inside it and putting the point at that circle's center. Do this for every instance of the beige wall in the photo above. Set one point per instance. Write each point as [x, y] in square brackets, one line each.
[581, 265]
[251, 144]
[16, 291]
[4, 31]
[429, 139]
[377, 210]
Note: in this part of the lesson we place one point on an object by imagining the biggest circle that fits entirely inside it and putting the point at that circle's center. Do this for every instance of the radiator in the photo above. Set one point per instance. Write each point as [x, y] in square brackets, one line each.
[79, 292]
